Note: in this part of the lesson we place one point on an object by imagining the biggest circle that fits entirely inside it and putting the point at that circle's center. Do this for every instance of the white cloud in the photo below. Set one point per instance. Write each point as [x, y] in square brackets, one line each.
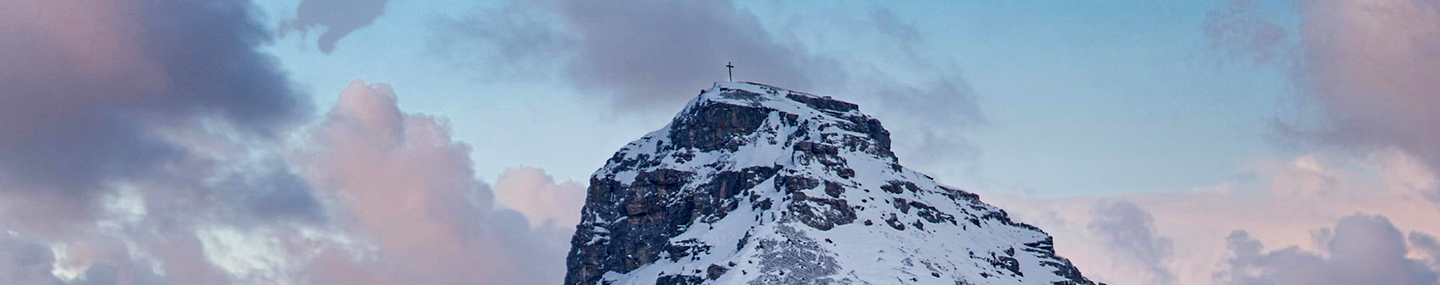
[250, 257]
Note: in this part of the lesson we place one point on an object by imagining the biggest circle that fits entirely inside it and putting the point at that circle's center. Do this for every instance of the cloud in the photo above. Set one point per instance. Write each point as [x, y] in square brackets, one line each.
[394, 201]
[1362, 249]
[149, 142]
[648, 56]
[511, 42]
[886, 22]
[1427, 245]
[1366, 71]
[1241, 29]
[338, 17]
[923, 98]
[131, 125]
[407, 187]
[25, 262]
[639, 54]
[533, 193]
[1372, 67]
[1274, 203]
[1305, 177]
[1128, 230]
[655, 54]
[95, 94]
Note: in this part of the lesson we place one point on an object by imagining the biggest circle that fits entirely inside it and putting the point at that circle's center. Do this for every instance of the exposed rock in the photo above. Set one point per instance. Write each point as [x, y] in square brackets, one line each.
[715, 271]
[753, 184]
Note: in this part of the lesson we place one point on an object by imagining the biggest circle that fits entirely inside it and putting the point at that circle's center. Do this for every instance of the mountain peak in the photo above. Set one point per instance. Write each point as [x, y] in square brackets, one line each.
[755, 184]
[780, 99]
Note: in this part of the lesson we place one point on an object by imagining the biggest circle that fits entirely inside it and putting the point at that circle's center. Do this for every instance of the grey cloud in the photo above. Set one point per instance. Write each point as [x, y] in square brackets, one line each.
[1428, 245]
[406, 209]
[1361, 249]
[91, 92]
[1374, 67]
[941, 94]
[933, 110]
[644, 54]
[1241, 29]
[655, 53]
[513, 41]
[888, 23]
[161, 123]
[648, 55]
[112, 273]
[274, 193]
[946, 101]
[131, 125]
[1129, 231]
[337, 17]
[942, 150]
[152, 134]
[24, 261]
[1367, 73]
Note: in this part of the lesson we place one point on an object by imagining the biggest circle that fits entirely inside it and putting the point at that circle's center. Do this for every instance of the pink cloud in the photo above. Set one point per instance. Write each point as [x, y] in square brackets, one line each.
[1372, 67]
[1278, 206]
[96, 38]
[409, 188]
[533, 193]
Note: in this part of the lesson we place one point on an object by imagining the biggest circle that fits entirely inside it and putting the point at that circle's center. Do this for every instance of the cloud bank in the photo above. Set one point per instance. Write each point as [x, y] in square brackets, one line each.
[1373, 68]
[639, 54]
[111, 92]
[1366, 71]
[149, 142]
[1362, 249]
[395, 198]
[1191, 235]
[652, 56]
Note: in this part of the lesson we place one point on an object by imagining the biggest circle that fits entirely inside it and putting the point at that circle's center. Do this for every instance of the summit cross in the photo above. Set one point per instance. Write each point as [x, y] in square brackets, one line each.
[730, 69]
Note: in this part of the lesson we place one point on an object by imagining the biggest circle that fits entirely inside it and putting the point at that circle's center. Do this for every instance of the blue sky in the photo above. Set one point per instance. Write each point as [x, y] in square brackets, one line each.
[1080, 99]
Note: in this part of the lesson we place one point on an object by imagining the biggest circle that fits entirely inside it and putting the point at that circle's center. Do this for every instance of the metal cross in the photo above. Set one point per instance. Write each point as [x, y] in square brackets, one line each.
[731, 70]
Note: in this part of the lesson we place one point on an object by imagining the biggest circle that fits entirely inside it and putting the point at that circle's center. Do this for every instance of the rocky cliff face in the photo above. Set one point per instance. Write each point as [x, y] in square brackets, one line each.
[753, 184]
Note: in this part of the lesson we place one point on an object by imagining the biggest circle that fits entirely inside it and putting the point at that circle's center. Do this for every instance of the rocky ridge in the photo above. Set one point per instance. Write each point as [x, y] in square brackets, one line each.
[754, 184]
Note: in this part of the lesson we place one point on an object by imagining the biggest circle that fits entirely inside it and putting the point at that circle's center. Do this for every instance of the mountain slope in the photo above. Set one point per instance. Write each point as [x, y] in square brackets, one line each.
[753, 184]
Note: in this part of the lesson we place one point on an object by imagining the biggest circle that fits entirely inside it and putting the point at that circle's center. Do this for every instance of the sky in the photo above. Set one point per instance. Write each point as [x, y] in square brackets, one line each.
[324, 141]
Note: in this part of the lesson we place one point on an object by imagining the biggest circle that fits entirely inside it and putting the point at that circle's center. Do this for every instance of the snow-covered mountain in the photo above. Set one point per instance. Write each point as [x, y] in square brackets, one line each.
[754, 184]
